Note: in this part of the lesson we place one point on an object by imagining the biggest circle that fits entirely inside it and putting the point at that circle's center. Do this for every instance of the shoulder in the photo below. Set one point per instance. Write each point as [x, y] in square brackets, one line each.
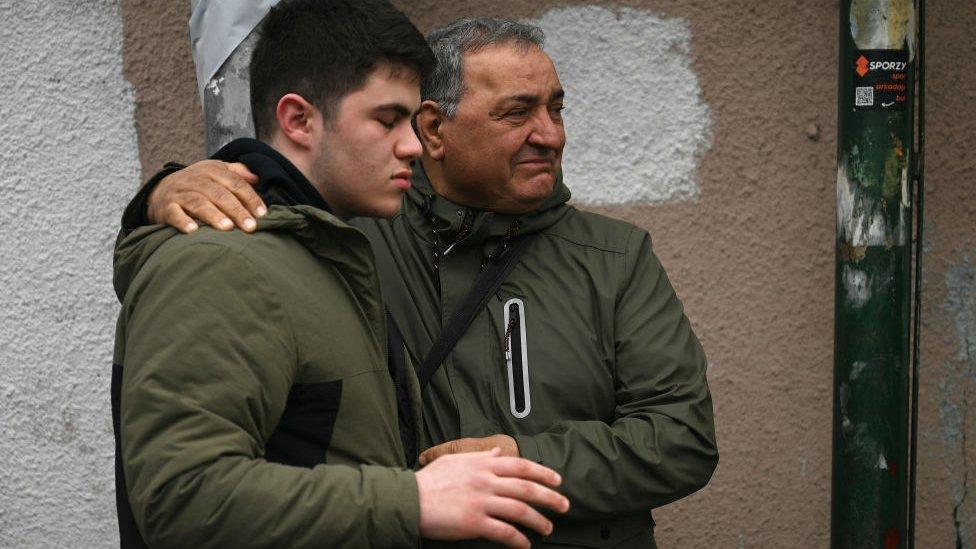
[218, 259]
[596, 231]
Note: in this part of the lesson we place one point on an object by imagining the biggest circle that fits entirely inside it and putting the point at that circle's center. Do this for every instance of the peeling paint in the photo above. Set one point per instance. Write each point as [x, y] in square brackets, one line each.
[856, 369]
[228, 109]
[883, 24]
[882, 463]
[856, 286]
[861, 220]
[636, 122]
[214, 86]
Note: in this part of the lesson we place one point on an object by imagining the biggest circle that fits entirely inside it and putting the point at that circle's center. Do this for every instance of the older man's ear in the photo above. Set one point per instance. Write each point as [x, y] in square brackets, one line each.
[429, 125]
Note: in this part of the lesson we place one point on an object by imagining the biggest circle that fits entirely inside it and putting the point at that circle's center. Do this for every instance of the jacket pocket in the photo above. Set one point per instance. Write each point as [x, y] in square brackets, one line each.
[305, 428]
[516, 359]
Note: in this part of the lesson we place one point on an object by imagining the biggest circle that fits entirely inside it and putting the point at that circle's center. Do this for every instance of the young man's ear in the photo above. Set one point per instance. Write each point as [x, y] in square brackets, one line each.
[429, 127]
[298, 120]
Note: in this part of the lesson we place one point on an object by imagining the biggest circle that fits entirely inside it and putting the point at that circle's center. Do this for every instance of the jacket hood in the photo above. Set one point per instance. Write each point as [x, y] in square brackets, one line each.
[424, 206]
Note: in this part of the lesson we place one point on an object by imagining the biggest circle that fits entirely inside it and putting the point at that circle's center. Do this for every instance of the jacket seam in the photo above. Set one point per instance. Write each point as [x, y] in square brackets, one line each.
[586, 244]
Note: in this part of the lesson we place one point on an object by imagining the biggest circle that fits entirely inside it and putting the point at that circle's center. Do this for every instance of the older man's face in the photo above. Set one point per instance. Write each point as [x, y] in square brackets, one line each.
[503, 149]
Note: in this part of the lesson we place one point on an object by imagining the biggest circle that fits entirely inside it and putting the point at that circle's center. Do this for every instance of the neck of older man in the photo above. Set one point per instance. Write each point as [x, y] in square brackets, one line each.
[443, 186]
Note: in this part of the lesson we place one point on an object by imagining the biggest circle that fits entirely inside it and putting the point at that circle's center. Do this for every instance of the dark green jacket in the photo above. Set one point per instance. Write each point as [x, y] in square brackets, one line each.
[612, 392]
[257, 409]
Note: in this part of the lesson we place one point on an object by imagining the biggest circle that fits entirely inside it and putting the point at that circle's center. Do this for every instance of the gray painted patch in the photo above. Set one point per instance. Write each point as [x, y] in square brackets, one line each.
[69, 161]
[635, 121]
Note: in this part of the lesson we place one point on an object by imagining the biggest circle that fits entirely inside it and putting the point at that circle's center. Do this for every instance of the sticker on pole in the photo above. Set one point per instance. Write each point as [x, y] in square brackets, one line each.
[881, 80]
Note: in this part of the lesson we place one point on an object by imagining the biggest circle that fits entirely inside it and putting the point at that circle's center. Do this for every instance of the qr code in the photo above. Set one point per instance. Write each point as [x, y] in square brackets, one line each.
[864, 96]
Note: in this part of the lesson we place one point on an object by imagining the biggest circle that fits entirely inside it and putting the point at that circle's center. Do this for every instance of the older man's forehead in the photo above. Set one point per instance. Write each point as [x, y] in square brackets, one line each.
[504, 68]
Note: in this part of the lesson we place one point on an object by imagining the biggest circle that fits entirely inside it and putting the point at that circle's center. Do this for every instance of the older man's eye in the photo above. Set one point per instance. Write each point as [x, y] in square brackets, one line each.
[518, 113]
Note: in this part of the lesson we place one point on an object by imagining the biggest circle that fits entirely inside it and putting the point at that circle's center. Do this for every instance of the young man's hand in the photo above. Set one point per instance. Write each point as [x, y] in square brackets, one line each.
[482, 494]
[504, 443]
[214, 192]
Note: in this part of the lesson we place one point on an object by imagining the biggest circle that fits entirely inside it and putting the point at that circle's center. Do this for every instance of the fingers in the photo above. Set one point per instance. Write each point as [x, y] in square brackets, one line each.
[241, 169]
[504, 533]
[174, 216]
[207, 212]
[231, 206]
[435, 452]
[238, 180]
[528, 470]
[531, 493]
[513, 511]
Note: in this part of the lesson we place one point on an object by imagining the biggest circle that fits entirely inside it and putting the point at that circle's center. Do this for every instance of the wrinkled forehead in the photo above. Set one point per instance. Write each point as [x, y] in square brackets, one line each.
[506, 68]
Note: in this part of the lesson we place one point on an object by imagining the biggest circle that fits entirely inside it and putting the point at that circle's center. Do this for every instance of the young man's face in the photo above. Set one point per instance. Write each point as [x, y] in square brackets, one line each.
[503, 149]
[363, 163]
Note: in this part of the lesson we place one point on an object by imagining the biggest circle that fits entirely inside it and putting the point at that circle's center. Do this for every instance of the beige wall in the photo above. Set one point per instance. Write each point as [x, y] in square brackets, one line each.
[751, 250]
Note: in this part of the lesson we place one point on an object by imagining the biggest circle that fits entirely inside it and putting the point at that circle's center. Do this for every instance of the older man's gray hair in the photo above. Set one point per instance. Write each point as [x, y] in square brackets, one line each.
[469, 35]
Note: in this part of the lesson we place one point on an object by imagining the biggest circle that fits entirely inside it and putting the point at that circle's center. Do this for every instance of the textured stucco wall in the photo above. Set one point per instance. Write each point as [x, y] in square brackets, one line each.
[68, 161]
[742, 209]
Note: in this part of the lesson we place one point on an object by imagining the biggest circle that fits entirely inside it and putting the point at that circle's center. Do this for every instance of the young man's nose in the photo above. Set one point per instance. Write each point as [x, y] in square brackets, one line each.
[408, 147]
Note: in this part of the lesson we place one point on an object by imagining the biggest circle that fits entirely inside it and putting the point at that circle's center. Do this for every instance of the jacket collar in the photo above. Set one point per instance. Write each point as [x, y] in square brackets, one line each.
[280, 182]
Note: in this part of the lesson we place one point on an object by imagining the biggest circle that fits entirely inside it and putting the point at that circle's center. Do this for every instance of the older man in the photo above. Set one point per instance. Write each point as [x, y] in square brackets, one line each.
[583, 359]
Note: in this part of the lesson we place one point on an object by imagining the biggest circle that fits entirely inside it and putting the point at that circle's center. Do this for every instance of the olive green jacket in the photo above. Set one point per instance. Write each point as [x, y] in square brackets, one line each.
[584, 356]
[257, 409]
[606, 386]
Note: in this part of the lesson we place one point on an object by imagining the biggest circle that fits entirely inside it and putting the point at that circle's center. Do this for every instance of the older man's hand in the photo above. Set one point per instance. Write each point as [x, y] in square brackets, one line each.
[214, 192]
[505, 443]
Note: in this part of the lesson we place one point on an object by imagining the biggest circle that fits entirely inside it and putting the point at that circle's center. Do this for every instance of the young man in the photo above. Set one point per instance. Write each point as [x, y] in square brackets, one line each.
[253, 401]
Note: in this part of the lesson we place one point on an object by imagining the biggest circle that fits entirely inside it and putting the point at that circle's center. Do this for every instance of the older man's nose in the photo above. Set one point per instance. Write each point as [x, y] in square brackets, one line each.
[547, 133]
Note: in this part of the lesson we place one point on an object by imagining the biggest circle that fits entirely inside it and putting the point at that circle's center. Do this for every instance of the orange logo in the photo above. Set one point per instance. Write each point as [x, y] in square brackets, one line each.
[862, 66]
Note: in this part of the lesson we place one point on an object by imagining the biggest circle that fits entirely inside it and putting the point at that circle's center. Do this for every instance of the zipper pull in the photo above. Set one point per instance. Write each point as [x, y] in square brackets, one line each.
[449, 248]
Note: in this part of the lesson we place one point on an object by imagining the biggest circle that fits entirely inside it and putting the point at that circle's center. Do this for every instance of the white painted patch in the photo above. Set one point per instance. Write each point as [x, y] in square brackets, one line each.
[69, 160]
[882, 463]
[856, 368]
[855, 286]
[635, 121]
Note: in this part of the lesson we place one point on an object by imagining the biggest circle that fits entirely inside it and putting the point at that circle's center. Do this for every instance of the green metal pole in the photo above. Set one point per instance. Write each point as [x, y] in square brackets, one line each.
[870, 485]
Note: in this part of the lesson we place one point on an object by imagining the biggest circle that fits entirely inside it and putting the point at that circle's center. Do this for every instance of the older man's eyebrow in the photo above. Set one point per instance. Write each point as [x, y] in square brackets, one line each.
[531, 98]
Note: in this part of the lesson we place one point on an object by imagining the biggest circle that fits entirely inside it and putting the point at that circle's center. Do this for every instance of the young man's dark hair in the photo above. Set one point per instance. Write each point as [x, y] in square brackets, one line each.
[326, 60]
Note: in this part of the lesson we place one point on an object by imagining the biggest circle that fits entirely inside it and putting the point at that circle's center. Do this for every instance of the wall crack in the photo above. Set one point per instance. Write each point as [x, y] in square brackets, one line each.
[965, 461]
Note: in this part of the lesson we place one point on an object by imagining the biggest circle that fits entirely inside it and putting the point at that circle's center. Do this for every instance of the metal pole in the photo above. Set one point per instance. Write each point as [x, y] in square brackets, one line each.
[870, 484]
[919, 249]
[227, 99]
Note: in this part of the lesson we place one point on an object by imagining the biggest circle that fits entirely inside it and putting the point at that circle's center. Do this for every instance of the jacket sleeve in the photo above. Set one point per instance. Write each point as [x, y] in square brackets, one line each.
[209, 361]
[661, 445]
[136, 213]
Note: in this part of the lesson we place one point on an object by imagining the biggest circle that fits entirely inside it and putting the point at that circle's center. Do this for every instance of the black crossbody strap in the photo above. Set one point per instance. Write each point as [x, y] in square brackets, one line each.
[484, 287]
